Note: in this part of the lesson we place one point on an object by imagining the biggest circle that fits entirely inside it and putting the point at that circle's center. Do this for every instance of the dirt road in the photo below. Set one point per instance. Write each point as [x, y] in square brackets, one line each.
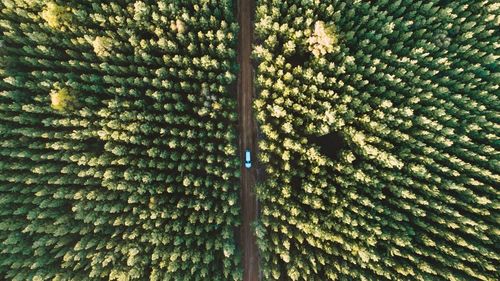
[248, 140]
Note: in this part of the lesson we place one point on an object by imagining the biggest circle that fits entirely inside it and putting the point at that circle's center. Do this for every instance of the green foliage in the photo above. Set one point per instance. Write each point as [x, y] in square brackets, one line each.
[131, 182]
[322, 39]
[412, 89]
[61, 99]
[102, 46]
[55, 15]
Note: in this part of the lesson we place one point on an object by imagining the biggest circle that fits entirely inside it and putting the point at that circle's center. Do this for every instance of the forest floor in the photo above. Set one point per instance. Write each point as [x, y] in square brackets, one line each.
[247, 140]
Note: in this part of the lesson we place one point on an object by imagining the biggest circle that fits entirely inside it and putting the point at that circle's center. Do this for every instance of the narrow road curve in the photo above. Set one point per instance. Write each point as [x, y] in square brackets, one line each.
[248, 140]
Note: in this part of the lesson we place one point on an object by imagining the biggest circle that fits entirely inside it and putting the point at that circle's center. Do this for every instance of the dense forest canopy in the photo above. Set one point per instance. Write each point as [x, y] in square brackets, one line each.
[380, 139]
[378, 127]
[118, 140]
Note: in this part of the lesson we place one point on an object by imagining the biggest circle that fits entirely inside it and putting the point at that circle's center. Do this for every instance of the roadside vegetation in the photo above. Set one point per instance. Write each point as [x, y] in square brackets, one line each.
[380, 130]
[118, 140]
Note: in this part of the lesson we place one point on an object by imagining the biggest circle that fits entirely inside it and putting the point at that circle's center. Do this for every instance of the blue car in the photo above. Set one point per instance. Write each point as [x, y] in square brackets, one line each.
[248, 161]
